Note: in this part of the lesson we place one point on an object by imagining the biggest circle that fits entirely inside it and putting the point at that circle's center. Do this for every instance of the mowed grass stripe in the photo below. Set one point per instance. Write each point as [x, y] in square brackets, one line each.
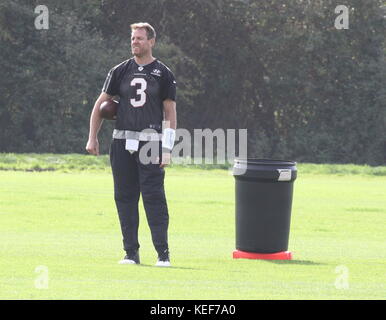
[68, 223]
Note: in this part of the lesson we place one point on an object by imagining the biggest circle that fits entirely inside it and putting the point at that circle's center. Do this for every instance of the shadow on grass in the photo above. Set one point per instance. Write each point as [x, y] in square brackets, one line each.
[171, 267]
[297, 262]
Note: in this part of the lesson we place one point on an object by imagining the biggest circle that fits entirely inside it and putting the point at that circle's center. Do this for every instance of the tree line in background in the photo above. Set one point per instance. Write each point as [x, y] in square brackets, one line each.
[304, 90]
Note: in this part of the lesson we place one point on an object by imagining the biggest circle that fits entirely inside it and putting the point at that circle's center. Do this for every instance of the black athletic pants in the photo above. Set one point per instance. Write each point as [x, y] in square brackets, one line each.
[131, 177]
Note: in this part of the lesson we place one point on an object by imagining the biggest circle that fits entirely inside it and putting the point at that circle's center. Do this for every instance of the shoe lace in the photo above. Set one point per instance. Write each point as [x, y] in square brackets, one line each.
[164, 256]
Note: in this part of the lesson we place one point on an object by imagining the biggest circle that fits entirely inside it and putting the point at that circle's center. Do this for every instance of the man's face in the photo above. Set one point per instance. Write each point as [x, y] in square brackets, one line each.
[140, 45]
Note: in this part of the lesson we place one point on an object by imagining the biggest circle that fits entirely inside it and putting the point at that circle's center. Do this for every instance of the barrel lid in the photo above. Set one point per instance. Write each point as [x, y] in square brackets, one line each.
[264, 169]
[265, 162]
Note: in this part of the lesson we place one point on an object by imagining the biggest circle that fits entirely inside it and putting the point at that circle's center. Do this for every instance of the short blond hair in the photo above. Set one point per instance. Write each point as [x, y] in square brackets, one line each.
[144, 25]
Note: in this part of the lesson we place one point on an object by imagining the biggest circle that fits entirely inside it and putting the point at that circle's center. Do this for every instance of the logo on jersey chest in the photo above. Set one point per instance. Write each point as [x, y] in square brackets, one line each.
[156, 72]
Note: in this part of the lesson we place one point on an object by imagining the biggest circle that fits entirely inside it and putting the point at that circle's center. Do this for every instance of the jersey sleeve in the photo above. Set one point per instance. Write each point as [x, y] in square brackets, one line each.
[111, 85]
[169, 86]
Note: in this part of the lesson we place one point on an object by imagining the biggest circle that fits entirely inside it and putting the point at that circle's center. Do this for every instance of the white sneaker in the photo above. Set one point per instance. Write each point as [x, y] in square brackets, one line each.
[130, 259]
[161, 263]
[163, 259]
[126, 261]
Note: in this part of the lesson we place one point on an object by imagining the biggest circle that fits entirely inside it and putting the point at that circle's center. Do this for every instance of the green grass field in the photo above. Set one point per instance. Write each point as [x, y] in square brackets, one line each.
[64, 222]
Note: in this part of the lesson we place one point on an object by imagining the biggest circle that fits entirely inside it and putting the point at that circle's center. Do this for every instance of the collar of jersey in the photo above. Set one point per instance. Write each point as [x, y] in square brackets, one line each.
[144, 66]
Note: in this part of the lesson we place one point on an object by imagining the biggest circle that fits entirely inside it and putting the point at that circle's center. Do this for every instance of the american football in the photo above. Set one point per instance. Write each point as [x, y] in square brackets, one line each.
[108, 110]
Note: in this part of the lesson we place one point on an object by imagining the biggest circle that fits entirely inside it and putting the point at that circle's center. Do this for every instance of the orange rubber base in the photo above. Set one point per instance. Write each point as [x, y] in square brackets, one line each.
[283, 255]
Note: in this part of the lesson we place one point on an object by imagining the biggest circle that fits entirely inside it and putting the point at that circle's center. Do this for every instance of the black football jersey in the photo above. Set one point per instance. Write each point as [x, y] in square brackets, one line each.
[141, 91]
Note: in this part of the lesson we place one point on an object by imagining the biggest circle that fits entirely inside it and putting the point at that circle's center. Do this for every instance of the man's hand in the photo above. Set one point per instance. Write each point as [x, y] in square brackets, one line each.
[92, 147]
[166, 157]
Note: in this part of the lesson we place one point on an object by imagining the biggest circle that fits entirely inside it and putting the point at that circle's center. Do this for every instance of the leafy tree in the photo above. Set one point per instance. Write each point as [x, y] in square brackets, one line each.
[302, 88]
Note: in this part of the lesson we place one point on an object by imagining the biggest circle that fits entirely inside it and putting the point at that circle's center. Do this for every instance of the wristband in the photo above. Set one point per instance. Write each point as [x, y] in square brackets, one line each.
[168, 138]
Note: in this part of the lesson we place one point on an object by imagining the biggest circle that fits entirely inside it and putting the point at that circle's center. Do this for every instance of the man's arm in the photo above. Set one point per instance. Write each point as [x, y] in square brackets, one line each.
[170, 114]
[170, 121]
[95, 124]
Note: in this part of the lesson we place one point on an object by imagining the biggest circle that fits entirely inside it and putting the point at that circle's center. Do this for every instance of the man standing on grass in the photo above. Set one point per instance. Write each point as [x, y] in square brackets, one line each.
[147, 94]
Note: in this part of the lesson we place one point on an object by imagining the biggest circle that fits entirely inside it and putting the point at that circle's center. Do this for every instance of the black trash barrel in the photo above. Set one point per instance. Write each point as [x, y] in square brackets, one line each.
[264, 190]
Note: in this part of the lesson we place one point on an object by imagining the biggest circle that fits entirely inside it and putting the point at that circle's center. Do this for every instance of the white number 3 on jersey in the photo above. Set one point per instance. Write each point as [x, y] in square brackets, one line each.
[141, 95]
